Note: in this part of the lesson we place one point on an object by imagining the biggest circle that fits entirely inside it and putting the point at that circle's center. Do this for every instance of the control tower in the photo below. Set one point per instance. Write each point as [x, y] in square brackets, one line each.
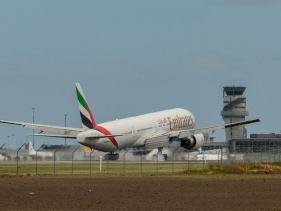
[234, 110]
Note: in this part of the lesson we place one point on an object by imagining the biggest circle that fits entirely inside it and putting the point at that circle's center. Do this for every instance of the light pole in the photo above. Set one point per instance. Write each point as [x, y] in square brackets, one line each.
[65, 116]
[8, 137]
[8, 141]
[33, 121]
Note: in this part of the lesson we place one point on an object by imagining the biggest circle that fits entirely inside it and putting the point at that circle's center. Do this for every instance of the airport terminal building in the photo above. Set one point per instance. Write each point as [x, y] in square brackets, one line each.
[270, 143]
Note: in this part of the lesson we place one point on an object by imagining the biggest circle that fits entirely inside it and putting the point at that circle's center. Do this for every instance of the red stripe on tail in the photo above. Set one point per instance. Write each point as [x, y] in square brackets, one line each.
[101, 129]
[91, 116]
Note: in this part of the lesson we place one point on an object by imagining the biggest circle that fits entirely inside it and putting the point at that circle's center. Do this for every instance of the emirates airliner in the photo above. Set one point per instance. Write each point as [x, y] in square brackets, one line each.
[173, 127]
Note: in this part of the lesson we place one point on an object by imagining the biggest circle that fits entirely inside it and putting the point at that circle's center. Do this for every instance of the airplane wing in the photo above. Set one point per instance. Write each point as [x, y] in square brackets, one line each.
[162, 138]
[72, 136]
[62, 132]
[208, 130]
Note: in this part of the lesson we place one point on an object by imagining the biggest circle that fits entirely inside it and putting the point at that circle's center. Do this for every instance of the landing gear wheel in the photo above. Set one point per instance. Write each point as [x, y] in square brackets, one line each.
[111, 156]
[160, 156]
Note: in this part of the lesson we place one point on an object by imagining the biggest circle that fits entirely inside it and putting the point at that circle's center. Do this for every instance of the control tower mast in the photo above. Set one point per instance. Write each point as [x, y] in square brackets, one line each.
[234, 110]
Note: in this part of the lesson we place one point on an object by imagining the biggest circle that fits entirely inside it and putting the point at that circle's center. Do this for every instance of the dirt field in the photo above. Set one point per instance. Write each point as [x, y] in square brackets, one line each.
[141, 193]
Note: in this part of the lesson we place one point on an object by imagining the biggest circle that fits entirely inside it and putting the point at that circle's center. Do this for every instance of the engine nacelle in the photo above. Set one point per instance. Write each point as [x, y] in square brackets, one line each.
[193, 143]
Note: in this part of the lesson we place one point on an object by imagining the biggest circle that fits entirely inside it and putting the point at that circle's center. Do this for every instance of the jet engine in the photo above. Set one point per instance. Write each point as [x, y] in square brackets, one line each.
[192, 143]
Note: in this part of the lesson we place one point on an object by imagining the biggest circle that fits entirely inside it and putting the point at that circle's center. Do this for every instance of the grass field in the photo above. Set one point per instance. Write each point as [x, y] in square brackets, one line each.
[135, 169]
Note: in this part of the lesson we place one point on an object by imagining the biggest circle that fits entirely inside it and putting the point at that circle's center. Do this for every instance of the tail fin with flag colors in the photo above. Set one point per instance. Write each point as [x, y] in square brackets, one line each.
[86, 114]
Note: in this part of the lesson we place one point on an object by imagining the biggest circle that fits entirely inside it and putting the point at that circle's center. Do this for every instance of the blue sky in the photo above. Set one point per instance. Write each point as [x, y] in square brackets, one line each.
[133, 57]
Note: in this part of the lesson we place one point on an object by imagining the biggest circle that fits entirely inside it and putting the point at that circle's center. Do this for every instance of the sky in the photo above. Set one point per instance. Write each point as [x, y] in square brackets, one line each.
[133, 57]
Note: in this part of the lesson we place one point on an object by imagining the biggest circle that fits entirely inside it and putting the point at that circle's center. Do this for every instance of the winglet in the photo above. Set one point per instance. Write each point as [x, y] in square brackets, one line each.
[242, 123]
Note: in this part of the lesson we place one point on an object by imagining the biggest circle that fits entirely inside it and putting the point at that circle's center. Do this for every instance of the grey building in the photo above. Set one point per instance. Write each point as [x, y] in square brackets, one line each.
[234, 110]
[265, 143]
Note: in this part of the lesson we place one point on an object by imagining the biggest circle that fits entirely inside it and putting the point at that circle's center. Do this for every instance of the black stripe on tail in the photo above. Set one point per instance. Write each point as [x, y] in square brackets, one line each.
[86, 121]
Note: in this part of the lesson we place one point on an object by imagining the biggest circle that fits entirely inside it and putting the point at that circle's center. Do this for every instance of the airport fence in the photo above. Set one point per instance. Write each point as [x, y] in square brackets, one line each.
[93, 164]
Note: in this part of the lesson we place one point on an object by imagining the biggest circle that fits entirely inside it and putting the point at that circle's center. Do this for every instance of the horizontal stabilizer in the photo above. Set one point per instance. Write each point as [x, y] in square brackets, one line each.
[53, 135]
[58, 130]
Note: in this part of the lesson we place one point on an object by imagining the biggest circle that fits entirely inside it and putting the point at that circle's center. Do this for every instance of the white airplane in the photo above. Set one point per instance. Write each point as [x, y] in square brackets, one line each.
[2, 157]
[41, 154]
[174, 127]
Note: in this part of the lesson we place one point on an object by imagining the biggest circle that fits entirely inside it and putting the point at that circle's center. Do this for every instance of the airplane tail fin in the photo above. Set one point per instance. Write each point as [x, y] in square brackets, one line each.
[86, 114]
[31, 150]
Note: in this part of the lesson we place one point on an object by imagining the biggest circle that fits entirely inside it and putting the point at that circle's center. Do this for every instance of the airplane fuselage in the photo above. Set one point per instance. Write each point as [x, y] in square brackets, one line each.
[132, 129]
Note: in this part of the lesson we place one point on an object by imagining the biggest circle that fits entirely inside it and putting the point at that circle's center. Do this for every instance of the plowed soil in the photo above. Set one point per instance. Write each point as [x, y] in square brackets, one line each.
[141, 193]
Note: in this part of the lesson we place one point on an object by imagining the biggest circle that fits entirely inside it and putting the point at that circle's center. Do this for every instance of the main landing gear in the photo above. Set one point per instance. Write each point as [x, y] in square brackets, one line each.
[111, 156]
[160, 156]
